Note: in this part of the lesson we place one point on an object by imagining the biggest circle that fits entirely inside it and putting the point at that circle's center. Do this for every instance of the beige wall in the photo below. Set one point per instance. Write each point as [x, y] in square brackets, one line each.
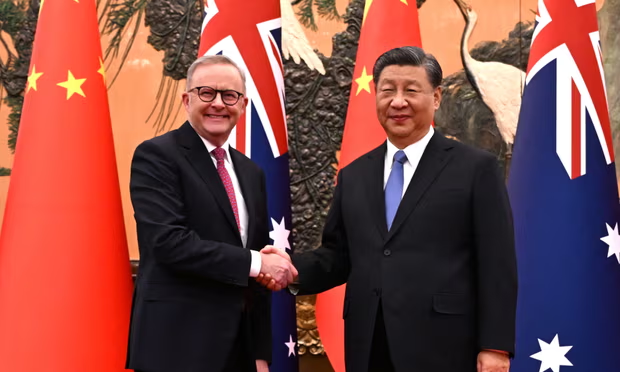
[6, 158]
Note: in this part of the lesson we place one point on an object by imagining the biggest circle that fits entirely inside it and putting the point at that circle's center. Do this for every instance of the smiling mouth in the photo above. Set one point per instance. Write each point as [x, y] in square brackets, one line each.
[399, 117]
[216, 116]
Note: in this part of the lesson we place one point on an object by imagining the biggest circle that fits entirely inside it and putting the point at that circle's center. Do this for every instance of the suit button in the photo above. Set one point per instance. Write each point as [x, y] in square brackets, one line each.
[377, 291]
[387, 252]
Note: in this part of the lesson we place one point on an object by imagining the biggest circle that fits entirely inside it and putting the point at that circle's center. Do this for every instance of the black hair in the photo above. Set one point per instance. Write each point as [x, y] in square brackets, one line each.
[409, 56]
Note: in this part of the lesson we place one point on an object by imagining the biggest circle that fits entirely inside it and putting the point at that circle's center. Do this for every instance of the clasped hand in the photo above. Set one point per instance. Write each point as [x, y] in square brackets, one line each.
[276, 270]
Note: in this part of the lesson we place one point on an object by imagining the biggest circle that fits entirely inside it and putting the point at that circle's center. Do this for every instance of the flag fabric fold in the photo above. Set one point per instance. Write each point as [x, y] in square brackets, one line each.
[386, 25]
[564, 196]
[65, 281]
[249, 32]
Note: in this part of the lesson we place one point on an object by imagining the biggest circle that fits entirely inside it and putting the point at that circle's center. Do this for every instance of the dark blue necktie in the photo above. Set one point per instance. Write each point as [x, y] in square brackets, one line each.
[394, 187]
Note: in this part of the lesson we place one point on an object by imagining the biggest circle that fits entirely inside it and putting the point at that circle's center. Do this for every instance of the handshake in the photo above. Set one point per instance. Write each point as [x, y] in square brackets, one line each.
[276, 270]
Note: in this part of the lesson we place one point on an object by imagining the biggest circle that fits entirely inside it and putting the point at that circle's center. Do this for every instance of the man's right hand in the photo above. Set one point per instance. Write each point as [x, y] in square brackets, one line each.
[277, 271]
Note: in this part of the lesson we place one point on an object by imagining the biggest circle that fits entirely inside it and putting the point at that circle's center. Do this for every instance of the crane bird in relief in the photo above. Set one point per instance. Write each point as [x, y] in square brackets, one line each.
[294, 41]
[498, 84]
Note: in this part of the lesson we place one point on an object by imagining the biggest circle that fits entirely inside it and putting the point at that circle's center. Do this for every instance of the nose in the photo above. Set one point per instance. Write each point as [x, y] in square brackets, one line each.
[398, 101]
[217, 101]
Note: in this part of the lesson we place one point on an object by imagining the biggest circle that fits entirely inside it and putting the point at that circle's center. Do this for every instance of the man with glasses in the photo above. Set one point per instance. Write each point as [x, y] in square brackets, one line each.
[201, 215]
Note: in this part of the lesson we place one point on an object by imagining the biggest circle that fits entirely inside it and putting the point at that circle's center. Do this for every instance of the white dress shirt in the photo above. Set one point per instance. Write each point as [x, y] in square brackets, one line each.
[414, 154]
[241, 207]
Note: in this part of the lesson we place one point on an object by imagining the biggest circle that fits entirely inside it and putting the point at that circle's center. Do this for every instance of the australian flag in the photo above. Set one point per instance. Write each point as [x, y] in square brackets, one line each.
[249, 32]
[564, 195]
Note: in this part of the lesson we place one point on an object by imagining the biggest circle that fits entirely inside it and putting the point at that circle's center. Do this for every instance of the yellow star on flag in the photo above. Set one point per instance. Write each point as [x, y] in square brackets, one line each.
[366, 9]
[73, 85]
[405, 2]
[41, 7]
[363, 82]
[32, 79]
[101, 69]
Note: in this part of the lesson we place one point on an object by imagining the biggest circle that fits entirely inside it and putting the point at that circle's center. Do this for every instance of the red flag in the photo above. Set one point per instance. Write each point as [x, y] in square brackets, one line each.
[387, 24]
[65, 281]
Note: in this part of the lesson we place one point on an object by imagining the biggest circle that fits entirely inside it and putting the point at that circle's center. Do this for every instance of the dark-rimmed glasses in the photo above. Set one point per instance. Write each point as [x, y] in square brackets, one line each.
[207, 94]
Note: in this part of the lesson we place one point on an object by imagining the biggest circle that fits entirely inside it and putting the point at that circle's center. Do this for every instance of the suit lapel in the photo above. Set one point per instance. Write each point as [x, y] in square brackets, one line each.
[374, 187]
[199, 157]
[244, 175]
[434, 159]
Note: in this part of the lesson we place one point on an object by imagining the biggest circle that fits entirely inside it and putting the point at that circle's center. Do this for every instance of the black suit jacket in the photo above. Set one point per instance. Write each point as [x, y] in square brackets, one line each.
[193, 285]
[445, 272]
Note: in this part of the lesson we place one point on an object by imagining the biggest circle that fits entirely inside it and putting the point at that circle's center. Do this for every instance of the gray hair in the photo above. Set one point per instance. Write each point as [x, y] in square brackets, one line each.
[217, 59]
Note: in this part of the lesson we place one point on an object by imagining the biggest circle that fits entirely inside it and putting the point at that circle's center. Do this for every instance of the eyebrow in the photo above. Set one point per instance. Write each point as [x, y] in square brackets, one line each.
[389, 81]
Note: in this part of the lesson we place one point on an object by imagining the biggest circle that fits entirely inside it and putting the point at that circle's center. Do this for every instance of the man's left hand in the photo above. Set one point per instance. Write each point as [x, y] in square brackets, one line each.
[262, 366]
[492, 361]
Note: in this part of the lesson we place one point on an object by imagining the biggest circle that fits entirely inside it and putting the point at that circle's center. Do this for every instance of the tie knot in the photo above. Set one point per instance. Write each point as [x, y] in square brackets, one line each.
[400, 156]
[219, 153]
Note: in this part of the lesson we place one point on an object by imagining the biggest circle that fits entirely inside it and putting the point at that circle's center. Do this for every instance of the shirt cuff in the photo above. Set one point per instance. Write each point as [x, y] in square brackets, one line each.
[256, 264]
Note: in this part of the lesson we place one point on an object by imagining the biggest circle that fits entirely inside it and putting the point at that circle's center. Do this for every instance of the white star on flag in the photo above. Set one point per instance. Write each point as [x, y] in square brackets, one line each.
[552, 355]
[613, 241]
[279, 235]
[291, 345]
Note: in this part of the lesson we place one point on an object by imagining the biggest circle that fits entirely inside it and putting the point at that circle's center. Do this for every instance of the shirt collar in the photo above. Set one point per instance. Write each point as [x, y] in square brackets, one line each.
[210, 147]
[413, 151]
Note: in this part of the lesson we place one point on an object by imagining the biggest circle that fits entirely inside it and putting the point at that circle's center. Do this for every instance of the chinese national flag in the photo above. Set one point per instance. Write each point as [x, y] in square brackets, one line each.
[65, 281]
[387, 24]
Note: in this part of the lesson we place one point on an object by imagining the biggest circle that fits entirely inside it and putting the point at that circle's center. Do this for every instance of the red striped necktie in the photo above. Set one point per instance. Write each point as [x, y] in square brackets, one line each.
[219, 154]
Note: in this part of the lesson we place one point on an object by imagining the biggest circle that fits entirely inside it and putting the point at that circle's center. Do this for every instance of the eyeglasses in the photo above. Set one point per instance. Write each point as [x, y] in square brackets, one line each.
[207, 94]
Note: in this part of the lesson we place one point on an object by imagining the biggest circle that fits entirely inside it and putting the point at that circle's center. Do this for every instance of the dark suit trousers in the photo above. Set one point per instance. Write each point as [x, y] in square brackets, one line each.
[240, 358]
[380, 360]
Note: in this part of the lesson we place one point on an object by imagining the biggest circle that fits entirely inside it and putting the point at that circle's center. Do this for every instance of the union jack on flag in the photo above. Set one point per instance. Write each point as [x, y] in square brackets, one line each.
[567, 33]
[564, 197]
[249, 32]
